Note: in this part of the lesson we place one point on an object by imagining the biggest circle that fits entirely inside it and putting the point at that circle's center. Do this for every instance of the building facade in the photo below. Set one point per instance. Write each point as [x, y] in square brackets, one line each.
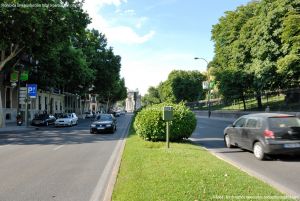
[133, 101]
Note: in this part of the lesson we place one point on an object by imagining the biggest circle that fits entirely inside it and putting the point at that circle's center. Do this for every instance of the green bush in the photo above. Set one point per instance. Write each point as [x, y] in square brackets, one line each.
[150, 126]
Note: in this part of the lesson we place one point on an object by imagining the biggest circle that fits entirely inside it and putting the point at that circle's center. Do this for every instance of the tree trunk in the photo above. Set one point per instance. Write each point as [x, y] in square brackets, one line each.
[258, 98]
[2, 120]
[107, 105]
[244, 102]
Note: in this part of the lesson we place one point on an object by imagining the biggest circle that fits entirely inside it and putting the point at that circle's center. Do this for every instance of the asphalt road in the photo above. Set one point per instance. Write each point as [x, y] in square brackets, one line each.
[283, 172]
[58, 164]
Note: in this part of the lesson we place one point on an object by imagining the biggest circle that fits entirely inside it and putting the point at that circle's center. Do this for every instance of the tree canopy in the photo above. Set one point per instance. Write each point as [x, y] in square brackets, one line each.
[180, 86]
[257, 48]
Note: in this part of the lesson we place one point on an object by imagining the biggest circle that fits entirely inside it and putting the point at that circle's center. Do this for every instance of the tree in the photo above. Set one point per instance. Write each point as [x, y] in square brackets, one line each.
[180, 86]
[256, 41]
[152, 96]
[36, 32]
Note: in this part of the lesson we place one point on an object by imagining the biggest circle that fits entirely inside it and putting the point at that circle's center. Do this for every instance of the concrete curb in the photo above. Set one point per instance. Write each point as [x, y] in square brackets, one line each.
[115, 171]
[261, 177]
[8, 130]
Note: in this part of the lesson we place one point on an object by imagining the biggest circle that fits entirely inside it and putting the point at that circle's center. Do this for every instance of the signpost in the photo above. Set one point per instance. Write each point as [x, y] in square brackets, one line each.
[168, 116]
[32, 90]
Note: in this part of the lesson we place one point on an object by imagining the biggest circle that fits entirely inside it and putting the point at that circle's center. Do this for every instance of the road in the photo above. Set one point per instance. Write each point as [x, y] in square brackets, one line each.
[54, 164]
[282, 172]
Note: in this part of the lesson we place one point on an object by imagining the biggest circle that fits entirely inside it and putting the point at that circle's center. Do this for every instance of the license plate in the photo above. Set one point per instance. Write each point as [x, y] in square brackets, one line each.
[291, 145]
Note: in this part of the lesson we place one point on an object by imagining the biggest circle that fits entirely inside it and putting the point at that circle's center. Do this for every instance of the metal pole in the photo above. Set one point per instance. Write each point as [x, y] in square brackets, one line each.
[26, 104]
[18, 91]
[209, 112]
[208, 95]
[168, 134]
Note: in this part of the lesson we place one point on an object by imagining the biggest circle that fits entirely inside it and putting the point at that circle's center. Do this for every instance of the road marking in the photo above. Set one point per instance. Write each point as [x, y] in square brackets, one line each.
[104, 181]
[57, 148]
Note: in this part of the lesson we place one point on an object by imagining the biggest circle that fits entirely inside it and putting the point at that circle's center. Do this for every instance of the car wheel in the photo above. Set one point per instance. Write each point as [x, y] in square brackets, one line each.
[227, 141]
[258, 151]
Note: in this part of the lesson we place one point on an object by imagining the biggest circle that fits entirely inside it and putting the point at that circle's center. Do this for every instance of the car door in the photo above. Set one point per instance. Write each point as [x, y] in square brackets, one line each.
[238, 127]
[249, 132]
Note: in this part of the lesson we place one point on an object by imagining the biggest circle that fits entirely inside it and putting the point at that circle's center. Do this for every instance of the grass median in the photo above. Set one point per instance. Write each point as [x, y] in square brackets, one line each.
[150, 171]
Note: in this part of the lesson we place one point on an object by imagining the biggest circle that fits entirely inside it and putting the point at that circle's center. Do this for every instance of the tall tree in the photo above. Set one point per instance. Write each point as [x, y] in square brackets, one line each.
[36, 32]
[254, 40]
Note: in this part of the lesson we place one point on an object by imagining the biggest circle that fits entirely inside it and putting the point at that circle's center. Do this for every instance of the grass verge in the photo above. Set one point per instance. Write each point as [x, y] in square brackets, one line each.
[149, 171]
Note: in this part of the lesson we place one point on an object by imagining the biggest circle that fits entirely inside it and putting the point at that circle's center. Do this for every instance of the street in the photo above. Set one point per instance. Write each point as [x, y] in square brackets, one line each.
[58, 163]
[282, 172]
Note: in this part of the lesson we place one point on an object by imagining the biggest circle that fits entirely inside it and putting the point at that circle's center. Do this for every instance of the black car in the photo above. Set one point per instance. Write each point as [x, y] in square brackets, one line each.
[43, 120]
[104, 123]
[265, 134]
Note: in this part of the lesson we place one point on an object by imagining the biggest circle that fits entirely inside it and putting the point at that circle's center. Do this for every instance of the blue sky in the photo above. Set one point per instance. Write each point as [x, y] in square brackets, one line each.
[154, 37]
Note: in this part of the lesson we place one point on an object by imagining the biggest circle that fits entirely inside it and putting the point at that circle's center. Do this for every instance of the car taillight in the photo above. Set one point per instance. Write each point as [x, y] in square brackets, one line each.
[269, 134]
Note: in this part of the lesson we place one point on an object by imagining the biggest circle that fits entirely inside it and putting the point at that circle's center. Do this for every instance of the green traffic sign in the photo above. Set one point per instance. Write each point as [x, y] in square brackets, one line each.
[14, 76]
[24, 76]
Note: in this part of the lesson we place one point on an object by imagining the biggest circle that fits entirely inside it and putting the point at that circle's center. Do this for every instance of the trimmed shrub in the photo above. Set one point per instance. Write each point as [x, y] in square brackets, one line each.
[150, 126]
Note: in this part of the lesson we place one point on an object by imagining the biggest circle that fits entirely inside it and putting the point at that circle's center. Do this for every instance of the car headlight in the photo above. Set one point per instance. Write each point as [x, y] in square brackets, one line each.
[93, 125]
[108, 125]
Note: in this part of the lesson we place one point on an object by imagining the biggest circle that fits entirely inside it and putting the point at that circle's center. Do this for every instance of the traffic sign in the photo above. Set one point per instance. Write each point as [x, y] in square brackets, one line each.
[32, 90]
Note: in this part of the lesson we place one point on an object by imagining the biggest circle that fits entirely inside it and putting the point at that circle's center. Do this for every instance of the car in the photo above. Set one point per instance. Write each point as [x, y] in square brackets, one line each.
[89, 115]
[104, 123]
[43, 120]
[67, 120]
[265, 134]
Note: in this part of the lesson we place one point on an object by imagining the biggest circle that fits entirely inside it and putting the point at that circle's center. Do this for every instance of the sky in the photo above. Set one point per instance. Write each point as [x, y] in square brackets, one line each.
[154, 37]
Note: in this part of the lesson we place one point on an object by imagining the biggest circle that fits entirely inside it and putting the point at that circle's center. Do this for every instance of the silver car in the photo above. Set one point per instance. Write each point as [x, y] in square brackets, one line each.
[67, 120]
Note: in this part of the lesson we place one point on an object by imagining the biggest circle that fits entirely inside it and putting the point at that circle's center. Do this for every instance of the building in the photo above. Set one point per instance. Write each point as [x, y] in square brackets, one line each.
[133, 101]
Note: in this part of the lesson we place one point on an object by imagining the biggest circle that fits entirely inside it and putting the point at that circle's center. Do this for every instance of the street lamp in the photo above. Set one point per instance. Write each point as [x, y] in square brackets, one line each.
[208, 88]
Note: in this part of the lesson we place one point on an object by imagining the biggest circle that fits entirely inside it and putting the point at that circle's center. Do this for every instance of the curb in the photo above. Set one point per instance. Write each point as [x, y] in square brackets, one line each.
[115, 171]
[258, 176]
[9, 130]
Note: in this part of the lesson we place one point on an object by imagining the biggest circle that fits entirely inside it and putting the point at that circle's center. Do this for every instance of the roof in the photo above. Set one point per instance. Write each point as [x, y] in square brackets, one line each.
[268, 115]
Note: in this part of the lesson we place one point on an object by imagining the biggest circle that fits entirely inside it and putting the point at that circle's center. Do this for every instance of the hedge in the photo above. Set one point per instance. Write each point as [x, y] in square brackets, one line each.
[150, 126]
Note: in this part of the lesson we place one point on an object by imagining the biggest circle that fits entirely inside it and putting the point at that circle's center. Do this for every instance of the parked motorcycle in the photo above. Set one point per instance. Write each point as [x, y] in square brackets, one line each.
[19, 120]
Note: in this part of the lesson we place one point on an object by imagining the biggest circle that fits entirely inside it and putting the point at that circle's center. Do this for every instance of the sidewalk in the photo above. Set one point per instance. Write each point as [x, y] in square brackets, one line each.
[12, 126]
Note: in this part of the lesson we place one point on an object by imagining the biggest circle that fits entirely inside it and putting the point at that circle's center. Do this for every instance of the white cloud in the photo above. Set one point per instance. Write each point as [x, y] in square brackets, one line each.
[114, 34]
[140, 22]
[126, 35]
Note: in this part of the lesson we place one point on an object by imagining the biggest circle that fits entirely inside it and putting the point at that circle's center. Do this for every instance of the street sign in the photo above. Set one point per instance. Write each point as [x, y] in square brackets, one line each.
[14, 76]
[32, 90]
[24, 76]
[22, 95]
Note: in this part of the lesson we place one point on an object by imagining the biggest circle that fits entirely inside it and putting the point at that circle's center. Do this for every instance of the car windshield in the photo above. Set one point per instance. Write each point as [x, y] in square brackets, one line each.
[65, 116]
[41, 116]
[284, 122]
[104, 118]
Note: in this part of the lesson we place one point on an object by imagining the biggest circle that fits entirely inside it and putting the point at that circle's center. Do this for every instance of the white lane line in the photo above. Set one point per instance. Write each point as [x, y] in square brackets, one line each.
[57, 148]
[104, 180]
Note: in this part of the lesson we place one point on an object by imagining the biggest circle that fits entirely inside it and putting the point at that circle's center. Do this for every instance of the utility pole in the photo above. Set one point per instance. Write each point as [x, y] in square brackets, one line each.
[208, 87]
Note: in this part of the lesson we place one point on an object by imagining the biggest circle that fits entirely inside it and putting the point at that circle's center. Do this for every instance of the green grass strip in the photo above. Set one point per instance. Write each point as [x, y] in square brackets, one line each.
[149, 171]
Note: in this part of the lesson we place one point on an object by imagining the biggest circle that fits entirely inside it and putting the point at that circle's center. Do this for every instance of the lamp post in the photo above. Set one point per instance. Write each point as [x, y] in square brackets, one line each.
[208, 87]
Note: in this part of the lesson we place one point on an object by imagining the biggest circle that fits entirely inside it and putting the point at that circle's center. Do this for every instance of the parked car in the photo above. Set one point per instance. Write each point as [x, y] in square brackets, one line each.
[43, 120]
[265, 134]
[67, 120]
[89, 115]
[104, 123]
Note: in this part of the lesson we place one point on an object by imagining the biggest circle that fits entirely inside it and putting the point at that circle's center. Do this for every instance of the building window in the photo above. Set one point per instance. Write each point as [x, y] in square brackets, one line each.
[7, 98]
[46, 106]
[40, 105]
